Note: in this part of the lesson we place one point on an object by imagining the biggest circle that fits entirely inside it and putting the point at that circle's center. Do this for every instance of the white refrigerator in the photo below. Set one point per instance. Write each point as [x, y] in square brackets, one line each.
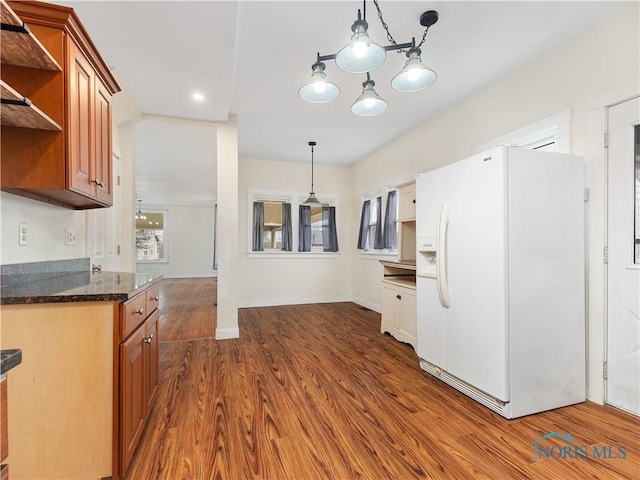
[501, 278]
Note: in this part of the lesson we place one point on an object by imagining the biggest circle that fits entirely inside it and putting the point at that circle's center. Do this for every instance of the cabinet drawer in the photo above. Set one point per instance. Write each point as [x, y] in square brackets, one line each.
[153, 297]
[133, 314]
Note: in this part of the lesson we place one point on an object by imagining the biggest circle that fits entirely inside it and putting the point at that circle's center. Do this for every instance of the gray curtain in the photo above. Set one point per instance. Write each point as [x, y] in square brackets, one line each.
[364, 226]
[329, 231]
[258, 227]
[287, 229]
[390, 220]
[304, 229]
[378, 242]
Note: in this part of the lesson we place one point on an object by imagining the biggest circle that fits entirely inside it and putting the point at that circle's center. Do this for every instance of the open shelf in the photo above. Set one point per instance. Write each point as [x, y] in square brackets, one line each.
[19, 46]
[17, 111]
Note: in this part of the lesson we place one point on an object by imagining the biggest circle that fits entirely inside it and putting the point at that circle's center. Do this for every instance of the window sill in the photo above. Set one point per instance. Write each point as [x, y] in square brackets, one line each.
[299, 255]
[373, 255]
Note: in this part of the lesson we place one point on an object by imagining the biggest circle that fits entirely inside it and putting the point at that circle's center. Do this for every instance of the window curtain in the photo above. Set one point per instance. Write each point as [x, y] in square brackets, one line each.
[378, 241]
[390, 220]
[364, 225]
[304, 229]
[329, 231]
[287, 229]
[258, 227]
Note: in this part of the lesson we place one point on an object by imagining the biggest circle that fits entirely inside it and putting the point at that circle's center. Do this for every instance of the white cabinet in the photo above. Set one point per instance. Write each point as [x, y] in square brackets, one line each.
[399, 316]
[406, 201]
[407, 222]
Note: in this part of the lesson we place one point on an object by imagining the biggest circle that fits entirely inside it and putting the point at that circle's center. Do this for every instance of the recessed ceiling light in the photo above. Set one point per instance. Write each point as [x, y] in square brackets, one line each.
[198, 97]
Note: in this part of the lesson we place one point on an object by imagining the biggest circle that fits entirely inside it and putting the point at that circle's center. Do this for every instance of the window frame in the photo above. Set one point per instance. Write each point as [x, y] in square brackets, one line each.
[295, 199]
[165, 235]
[373, 195]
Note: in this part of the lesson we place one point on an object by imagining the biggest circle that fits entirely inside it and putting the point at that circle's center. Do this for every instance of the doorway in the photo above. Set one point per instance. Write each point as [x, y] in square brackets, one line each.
[622, 255]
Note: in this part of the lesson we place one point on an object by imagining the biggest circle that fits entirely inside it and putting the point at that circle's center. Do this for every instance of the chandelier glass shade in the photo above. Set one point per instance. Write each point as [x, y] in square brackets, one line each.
[369, 103]
[362, 55]
[319, 90]
[414, 76]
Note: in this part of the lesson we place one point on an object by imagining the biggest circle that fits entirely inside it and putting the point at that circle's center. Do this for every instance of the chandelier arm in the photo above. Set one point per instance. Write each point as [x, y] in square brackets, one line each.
[322, 58]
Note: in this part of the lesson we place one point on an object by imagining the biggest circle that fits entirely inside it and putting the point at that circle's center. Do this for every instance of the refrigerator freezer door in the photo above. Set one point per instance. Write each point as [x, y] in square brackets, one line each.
[476, 324]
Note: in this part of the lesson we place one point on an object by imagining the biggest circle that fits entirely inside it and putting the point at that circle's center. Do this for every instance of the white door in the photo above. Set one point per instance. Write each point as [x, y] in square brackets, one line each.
[623, 269]
[477, 272]
[102, 229]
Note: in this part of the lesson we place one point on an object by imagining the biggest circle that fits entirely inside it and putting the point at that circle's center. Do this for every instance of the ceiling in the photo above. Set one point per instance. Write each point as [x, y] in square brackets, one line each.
[250, 58]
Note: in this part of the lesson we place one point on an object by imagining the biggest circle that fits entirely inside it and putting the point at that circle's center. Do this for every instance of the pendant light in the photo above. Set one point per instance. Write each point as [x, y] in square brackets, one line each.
[312, 200]
[414, 76]
[361, 55]
[319, 90]
[369, 103]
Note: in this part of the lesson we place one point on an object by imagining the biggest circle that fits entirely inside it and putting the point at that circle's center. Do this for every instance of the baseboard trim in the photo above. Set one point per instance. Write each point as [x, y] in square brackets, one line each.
[367, 304]
[194, 275]
[227, 333]
[290, 301]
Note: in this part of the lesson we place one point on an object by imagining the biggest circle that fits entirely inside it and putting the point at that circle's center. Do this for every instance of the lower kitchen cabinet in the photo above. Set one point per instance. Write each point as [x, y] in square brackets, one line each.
[399, 307]
[86, 385]
[138, 370]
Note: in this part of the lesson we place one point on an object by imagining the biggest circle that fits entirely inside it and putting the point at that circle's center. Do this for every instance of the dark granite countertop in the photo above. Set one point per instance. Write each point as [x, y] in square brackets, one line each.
[9, 359]
[78, 287]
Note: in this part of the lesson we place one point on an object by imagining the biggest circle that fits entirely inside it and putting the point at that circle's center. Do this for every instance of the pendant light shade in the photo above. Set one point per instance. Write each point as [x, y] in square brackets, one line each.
[414, 76]
[319, 90]
[312, 200]
[369, 103]
[361, 55]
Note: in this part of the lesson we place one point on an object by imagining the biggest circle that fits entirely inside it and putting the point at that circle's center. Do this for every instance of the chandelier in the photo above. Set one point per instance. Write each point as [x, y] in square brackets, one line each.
[362, 55]
[139, 214]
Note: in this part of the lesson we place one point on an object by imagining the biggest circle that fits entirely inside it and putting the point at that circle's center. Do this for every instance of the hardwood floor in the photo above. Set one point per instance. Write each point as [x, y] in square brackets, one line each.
[316, 392]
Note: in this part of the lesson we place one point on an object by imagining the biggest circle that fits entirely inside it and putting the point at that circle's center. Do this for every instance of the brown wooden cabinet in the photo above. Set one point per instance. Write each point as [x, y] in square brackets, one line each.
[70, 166]
[138, 370]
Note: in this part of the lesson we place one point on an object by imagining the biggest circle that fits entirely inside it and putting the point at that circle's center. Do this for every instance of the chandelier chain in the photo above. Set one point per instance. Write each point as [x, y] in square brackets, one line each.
[389, 36]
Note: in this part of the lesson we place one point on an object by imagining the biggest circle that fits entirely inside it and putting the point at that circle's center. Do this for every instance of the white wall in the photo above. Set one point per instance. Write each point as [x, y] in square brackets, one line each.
[46, 226]
[594, 63]
[297, 278]
[189, 243]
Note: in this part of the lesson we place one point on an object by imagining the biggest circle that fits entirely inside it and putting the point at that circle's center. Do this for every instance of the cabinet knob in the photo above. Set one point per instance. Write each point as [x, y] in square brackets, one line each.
[399, 297]
[156, 298]
[140, 311]
[99, 183]
[147, 340]
[413, 201]
[150, 337]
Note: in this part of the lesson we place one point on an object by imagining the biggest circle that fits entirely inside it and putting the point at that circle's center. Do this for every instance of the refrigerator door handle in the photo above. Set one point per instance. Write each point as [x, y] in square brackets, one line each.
[441, 257]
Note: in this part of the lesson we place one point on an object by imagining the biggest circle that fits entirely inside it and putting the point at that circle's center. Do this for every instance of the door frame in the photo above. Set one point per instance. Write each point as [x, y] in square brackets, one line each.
[596, 168]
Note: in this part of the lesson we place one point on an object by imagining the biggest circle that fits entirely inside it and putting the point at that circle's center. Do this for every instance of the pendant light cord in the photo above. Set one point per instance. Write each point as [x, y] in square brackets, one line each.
[386, 27]
[312, 169]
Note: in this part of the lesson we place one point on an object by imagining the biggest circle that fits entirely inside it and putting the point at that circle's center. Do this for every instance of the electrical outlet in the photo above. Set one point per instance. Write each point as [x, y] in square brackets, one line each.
[22, 235]
[69, 237]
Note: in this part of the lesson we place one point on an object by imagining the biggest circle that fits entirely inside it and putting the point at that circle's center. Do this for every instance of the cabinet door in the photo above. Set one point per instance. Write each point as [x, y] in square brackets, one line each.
[79, 138]
[408, 309]
[103, 161]
[151, 359]
[133, 406]
[390, 307]
[407, 202]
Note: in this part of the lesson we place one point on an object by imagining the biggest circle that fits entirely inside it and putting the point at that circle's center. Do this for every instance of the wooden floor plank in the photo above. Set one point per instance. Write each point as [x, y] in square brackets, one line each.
[316, 392]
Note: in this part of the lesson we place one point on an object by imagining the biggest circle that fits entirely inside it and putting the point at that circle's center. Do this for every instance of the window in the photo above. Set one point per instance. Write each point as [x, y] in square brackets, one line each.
[378, 231]
[151, 237]
[274, 230]
[550, 134]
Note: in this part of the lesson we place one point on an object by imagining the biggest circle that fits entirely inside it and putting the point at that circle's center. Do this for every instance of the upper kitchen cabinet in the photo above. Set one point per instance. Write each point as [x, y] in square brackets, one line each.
[55, 73]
